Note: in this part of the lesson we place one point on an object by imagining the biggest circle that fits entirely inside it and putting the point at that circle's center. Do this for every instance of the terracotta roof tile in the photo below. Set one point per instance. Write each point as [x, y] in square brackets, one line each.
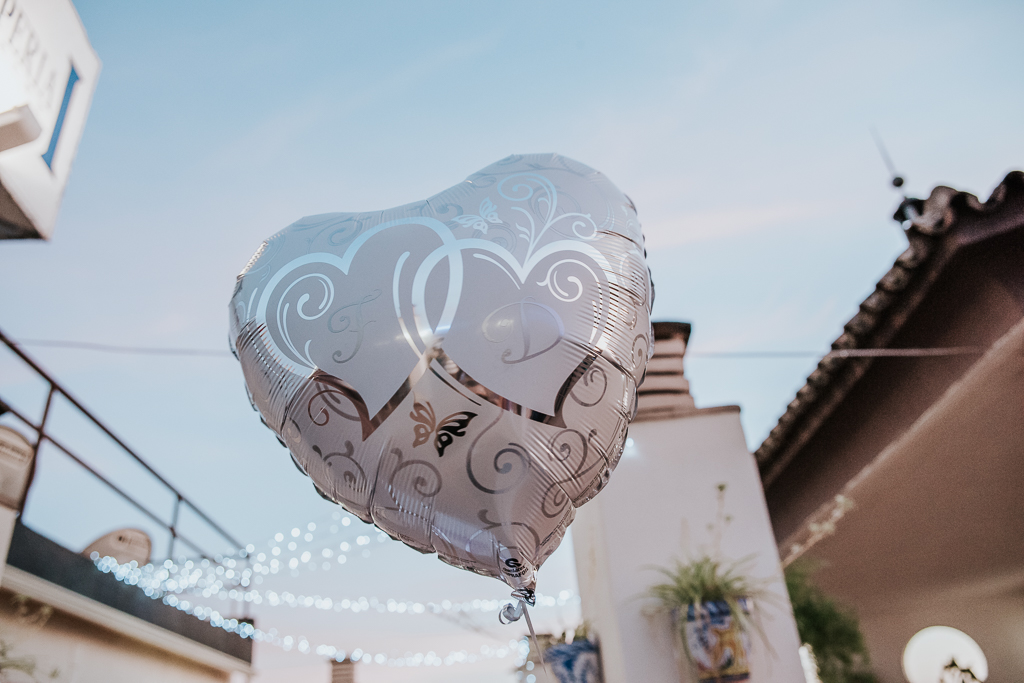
[939, 225]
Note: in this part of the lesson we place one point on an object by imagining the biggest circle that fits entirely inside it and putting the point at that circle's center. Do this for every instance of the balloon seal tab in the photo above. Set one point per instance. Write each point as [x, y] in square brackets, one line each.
[526, 595]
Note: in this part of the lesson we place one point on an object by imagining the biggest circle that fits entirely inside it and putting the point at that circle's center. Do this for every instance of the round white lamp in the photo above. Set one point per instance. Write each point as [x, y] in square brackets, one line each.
[931, 650]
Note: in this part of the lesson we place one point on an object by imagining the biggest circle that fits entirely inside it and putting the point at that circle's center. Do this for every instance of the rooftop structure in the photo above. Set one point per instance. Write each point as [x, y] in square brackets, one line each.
[96, 624]
[897, 465]
[660, 506]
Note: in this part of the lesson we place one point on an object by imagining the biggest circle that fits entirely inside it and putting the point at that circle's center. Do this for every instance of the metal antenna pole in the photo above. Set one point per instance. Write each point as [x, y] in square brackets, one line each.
[908, 210]
[897, 179]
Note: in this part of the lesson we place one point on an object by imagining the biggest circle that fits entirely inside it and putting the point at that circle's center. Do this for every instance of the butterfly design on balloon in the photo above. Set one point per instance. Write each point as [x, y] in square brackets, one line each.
[488, 214]
[444, 433]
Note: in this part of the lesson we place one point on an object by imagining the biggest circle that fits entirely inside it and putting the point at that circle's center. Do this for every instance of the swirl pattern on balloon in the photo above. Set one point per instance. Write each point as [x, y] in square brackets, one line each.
[460, 370]
[351, 472]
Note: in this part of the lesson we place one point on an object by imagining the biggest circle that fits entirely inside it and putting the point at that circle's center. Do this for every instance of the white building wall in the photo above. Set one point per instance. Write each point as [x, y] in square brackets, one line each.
[657, 508]
[64, 649]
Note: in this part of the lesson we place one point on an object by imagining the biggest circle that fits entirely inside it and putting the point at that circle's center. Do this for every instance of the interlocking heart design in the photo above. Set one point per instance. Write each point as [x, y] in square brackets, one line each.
[459, 371]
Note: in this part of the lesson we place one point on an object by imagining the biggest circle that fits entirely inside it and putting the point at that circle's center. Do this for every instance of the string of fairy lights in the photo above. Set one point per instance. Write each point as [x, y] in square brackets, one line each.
[209, 580]
[232, 578]
[307, 557]
[168, 581]
[184, 583]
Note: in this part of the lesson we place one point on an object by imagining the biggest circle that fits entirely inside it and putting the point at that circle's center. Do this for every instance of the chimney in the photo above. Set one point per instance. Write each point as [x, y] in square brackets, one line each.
[343, 672]
[665, 392]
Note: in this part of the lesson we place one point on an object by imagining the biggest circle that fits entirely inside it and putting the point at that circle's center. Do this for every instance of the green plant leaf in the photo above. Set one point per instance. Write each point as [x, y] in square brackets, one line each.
[831, 629]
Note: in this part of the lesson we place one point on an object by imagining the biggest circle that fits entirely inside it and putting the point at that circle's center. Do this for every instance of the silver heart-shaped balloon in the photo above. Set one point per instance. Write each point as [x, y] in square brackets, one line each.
[459, 371]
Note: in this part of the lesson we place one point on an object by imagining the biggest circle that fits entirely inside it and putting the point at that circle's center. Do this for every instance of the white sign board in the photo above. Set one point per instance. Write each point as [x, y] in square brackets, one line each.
[48, 73]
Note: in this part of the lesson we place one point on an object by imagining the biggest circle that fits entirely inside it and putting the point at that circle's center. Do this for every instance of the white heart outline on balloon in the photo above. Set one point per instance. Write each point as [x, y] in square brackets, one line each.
[451, 249]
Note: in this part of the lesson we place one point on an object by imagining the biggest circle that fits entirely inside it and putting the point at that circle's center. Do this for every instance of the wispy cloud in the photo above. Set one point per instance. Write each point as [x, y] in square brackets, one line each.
[698, 226]
[276, 135]
[782, 325]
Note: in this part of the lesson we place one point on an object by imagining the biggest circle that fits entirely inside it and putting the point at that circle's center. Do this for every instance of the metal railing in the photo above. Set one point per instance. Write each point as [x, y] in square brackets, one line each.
[43, 436]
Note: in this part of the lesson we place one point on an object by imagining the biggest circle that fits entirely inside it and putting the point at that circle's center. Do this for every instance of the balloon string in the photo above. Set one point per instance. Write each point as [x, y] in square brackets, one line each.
[533, 634]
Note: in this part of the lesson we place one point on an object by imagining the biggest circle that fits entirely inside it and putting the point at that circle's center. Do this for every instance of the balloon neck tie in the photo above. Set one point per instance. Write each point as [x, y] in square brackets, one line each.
[525, 595]
[513, 612]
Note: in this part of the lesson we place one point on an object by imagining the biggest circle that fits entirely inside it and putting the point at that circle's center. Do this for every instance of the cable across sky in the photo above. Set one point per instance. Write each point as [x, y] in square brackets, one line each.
[840, 353]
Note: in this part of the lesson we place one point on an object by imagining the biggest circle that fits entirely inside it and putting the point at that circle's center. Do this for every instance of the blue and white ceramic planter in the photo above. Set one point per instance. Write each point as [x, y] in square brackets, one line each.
[575, 662]
[718, 648]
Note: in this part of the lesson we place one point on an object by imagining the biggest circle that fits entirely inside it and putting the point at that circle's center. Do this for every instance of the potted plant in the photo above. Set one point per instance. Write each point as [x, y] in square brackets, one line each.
[571, 656]
[828, 629]
[712, 606]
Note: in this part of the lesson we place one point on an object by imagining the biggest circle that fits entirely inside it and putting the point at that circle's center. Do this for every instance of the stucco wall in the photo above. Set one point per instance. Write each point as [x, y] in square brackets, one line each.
[66, 649]
[657, 507]
[977, 299]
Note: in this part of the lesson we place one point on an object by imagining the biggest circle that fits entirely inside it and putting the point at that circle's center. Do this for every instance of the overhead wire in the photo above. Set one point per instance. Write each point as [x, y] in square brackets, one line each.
[696, 353]
[113, 348]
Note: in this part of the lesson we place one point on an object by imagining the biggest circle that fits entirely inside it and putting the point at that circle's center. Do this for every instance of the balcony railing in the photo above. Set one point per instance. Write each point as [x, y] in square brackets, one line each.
[168, 520]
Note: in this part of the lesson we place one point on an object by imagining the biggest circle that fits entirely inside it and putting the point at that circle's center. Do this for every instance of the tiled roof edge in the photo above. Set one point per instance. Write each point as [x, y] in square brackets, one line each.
[945, 221]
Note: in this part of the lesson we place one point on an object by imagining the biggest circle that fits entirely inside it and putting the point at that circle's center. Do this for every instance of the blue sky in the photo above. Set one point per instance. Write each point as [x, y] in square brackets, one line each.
[739, 129]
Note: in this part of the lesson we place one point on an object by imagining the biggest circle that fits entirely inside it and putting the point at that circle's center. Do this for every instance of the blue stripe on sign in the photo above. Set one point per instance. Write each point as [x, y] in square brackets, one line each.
[72, 80]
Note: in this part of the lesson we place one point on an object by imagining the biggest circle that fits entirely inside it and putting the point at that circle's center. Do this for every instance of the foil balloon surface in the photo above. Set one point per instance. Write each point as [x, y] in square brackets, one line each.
[459, 371]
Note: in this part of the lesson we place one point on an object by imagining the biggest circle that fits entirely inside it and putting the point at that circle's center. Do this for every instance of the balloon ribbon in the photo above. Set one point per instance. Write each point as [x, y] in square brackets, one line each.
[533, 634]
